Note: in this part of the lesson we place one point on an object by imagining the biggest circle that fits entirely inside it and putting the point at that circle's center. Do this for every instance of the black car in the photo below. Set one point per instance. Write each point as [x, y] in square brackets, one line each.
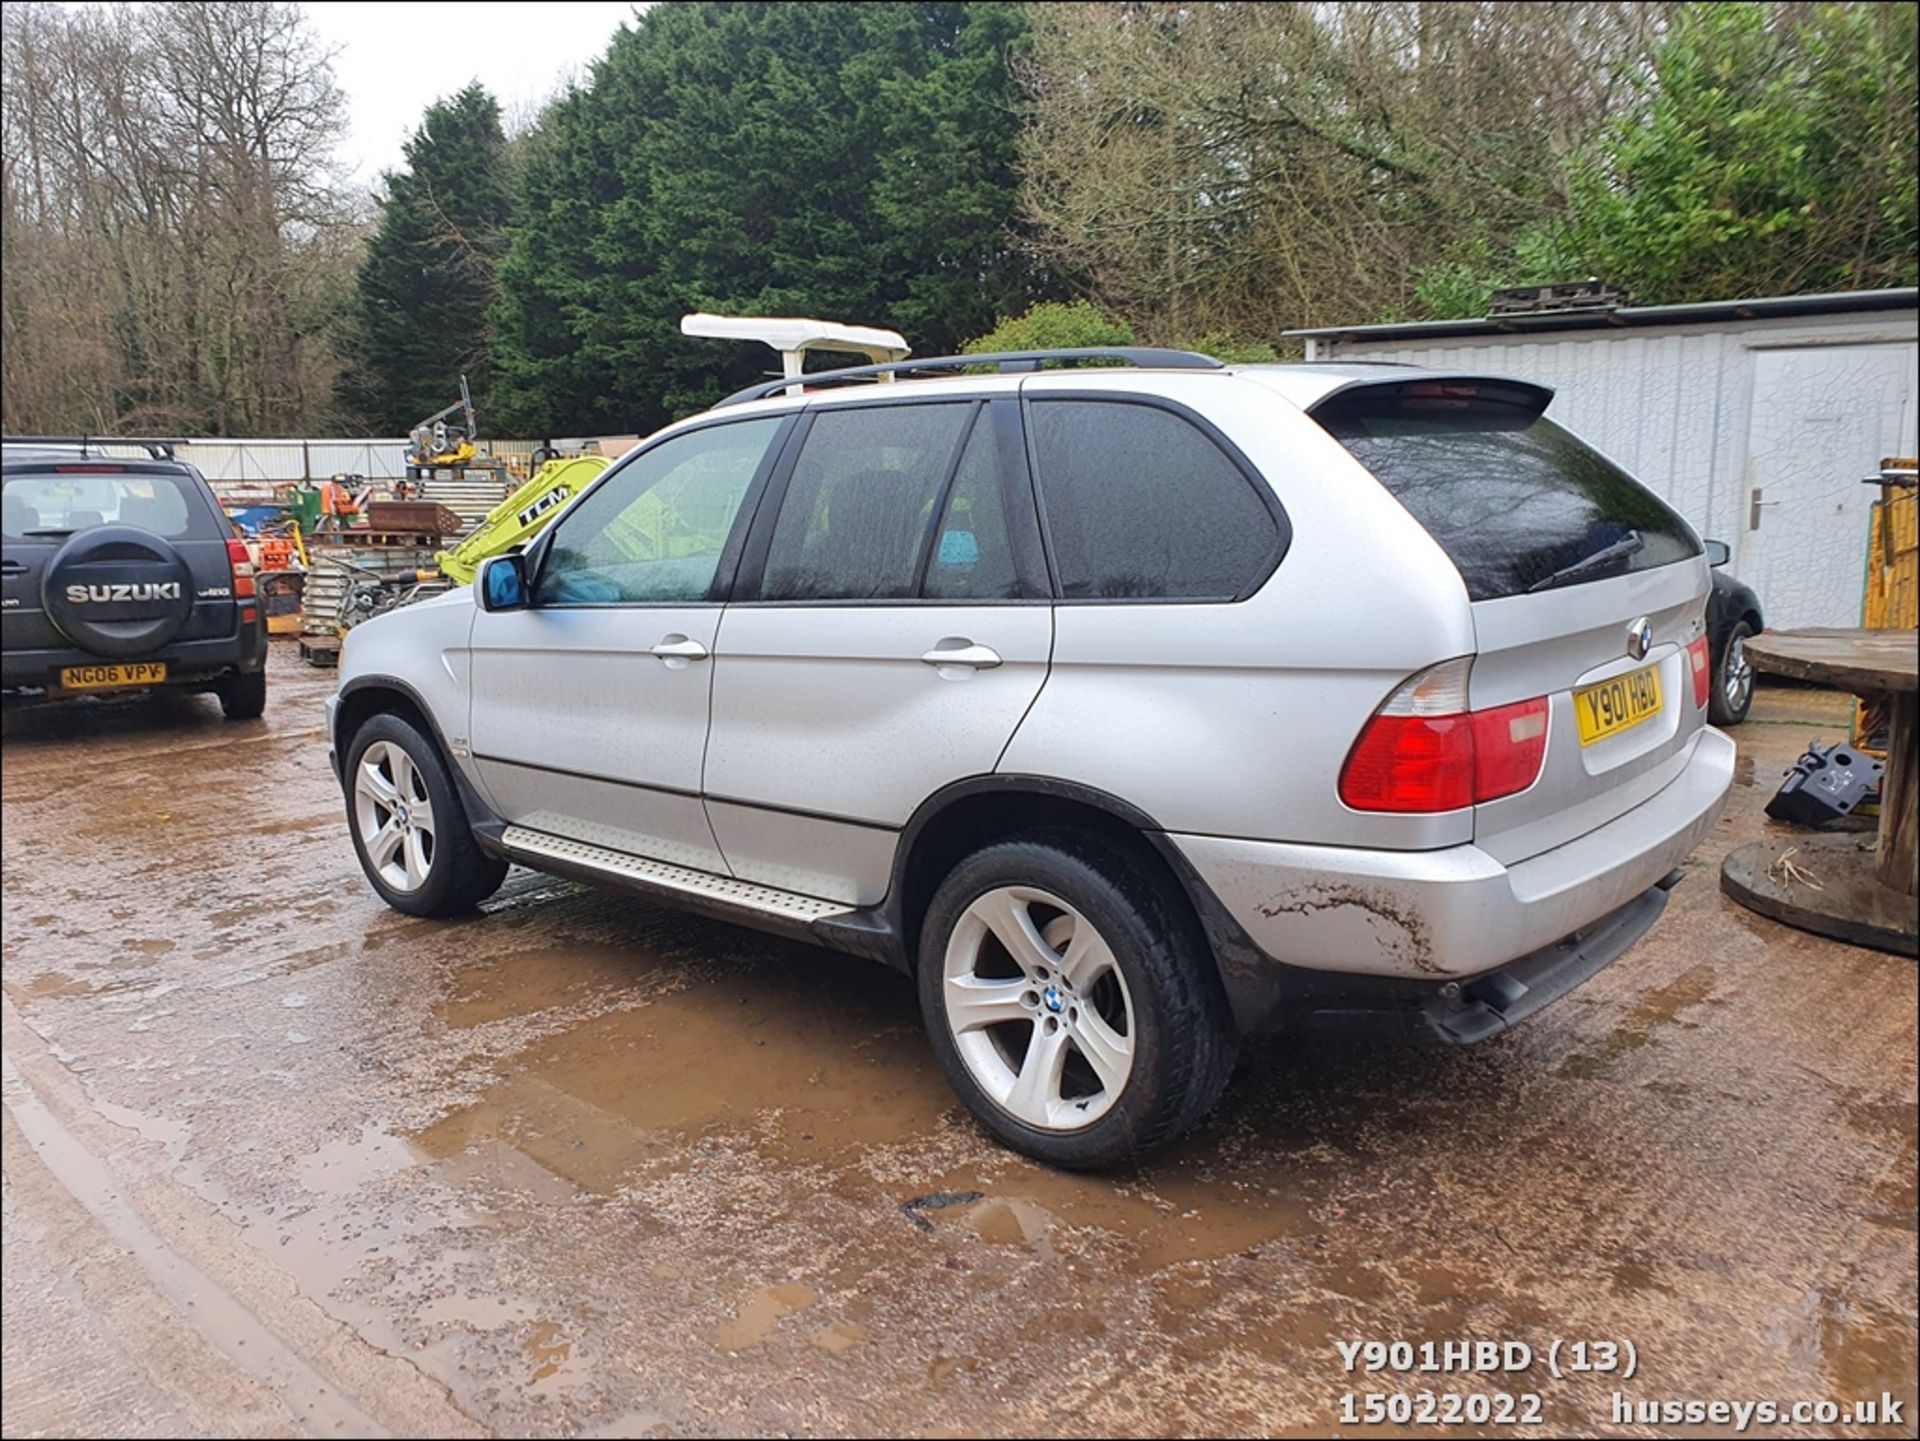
[120, 575]
[1733, 618]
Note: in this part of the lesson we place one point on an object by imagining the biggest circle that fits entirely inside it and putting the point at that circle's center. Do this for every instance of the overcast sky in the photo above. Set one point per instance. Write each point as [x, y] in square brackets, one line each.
[395, 59]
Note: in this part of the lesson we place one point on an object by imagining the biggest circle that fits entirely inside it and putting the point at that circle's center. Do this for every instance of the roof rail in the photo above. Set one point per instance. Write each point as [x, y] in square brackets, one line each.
[158, 449]
[1005, 361]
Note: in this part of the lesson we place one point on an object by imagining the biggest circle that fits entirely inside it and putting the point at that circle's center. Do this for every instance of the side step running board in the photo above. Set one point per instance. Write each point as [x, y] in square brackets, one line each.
[540, 850]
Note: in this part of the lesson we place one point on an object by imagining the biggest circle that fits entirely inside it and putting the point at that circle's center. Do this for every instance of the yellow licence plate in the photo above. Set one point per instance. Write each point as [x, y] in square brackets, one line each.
[1613, 705]
[111, 677]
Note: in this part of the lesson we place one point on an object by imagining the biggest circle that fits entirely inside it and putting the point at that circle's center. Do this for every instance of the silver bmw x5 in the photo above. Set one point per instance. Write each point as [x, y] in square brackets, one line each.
[1131, 709]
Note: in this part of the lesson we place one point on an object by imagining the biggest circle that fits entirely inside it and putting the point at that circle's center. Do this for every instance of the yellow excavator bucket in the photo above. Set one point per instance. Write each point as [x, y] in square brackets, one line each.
[522, 515]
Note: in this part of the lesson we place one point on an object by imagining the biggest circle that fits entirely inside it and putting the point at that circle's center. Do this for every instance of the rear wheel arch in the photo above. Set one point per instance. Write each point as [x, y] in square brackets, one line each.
[968, 815]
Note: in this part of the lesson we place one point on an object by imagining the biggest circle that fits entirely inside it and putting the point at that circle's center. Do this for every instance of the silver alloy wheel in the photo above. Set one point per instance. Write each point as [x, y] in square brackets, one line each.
[1038, 1009]
[1739, 673]
[394, 814]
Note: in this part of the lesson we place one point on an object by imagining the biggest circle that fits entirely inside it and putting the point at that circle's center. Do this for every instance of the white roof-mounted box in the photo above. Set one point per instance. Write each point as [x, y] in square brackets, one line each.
[794, 337]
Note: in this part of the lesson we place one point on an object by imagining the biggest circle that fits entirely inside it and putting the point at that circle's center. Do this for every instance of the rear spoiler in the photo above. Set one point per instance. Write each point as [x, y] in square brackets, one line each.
[1439, 390]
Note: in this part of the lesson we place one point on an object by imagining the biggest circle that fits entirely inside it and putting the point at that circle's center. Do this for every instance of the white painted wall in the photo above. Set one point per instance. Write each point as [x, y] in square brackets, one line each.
[1676, 406]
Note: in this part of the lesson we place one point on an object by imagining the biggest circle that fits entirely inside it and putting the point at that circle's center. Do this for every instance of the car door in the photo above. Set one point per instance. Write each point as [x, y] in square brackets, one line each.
[589, 711]
[891, 623]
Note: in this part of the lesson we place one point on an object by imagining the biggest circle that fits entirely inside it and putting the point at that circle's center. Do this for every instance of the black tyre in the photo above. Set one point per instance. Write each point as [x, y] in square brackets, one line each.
[244, 697]
[408, 825]
[1071, 1000]
[1732, 694]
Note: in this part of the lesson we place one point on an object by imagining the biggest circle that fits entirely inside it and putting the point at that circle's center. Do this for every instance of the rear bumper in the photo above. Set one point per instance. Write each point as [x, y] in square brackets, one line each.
[1457, 912]
[1461, 1013]
[189, 662]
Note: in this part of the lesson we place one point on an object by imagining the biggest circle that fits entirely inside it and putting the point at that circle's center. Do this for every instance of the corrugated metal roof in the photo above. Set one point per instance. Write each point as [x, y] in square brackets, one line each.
[1760, 308]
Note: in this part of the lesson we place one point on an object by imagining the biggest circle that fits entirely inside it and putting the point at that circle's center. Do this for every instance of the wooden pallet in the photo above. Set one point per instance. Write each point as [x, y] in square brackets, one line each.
[371, 539]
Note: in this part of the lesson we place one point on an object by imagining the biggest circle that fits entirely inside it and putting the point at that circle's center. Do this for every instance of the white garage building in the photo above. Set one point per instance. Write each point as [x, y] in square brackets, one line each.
[1756, 419]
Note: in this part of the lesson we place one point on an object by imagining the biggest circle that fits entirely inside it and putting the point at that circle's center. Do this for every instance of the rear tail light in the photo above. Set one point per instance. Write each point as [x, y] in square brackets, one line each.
[1424, 751]
[242, 561]
[89, 470]
[1509, 742]
[1702, 662]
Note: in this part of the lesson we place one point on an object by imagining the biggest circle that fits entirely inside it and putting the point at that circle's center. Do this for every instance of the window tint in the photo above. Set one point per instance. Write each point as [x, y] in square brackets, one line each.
[972, 558]
[1139, 502]
[860, 503]
[653, 531]
[1516, 502]
[75, 502]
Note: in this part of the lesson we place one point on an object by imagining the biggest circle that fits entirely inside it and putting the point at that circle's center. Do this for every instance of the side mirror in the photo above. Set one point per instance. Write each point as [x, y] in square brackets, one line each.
[502, 583]
[1718, 552]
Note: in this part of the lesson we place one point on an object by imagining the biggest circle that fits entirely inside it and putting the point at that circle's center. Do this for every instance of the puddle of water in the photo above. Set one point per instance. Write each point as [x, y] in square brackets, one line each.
[813, 1072]
[810, 1062]
[547, 1351]
[1864, 1349]
[348, 1164]
[761, 1313]
[1011, 1222]
[528, 982]
[482, 1313]
[57, 985]
[617, 1099]
[840, 1337]
[48, 986]
[1658, 1008]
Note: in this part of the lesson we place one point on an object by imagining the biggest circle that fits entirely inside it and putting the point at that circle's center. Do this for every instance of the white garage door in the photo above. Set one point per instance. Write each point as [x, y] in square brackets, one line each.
[1822, 418]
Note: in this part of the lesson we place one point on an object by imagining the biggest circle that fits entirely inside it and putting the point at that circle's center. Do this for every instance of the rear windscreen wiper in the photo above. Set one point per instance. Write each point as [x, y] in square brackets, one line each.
[49, 531]
[1629, 544]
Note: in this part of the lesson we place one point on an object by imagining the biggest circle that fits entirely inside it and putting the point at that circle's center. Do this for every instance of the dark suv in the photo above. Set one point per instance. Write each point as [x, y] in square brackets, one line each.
[122, 574]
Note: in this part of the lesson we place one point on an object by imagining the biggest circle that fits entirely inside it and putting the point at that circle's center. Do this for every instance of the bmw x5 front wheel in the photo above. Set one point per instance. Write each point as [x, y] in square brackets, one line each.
[408, 825]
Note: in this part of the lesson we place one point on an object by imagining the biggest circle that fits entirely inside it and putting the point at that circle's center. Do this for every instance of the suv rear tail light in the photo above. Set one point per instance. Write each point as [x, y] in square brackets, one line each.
[1424, 751]
[242, 561]
[1702, 662]
[89, 470]
[1509, 742]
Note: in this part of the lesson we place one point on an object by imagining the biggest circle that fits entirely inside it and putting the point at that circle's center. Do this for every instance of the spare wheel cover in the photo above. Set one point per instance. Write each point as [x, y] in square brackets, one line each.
[118, 590]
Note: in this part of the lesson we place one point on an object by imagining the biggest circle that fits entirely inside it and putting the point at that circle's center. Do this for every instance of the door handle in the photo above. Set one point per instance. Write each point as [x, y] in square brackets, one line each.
[13, 567]
[1753, 510]
[957, 650]
[678, 651]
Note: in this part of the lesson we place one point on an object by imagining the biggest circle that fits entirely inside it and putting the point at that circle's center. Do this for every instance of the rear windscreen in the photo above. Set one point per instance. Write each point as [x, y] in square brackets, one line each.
[56, 504]
[1516, 502]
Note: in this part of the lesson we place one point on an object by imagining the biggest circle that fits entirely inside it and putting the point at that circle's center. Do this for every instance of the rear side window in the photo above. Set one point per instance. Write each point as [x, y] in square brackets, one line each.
[859, 507]
[1517, 503]
[973, 552]
[61, 502]
[1140, 503]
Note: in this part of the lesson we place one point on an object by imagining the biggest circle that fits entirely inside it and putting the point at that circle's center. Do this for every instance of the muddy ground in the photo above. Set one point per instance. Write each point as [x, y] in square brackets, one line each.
[278, 1158]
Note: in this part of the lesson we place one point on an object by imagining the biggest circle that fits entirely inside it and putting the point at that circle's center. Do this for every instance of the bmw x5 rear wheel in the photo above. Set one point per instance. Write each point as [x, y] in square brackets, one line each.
[1071, 1000]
